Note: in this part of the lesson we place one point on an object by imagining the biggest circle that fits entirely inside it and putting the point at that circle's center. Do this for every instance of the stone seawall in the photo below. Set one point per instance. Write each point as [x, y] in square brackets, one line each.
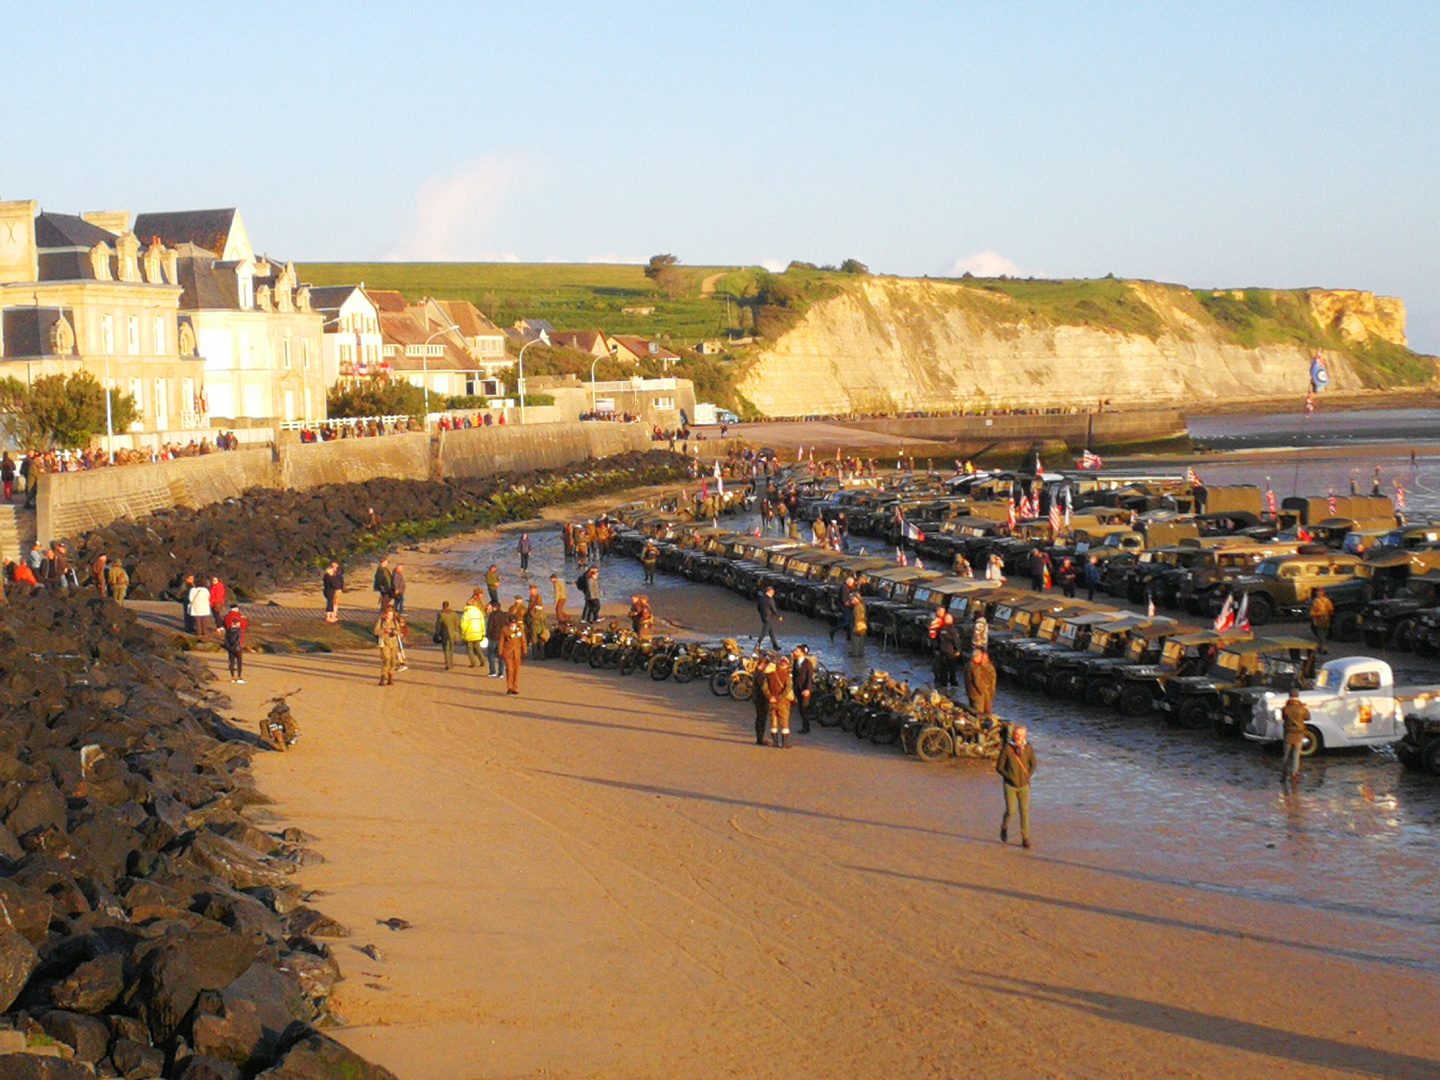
[481, 451]
[69, 504]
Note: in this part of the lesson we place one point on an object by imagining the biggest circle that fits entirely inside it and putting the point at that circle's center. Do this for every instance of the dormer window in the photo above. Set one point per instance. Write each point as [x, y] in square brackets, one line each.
[245, 283]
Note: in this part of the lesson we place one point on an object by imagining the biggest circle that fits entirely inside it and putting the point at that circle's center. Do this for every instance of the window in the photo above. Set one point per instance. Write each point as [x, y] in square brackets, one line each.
[372, 354]
[132, 335]
[137, 391]
[1363, 680]
[285, 359]
[305, 365]
[158, 332]
[245, 282]
[664, 403]
[107, 335]
[162, 403]
[347, 354]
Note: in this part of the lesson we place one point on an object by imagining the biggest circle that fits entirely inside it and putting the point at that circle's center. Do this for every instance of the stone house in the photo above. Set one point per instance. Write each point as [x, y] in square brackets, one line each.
[83, 292]
[592, 342]
[631, 350]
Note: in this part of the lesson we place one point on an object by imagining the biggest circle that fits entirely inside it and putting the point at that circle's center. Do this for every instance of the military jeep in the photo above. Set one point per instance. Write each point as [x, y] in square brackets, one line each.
[1261, 664]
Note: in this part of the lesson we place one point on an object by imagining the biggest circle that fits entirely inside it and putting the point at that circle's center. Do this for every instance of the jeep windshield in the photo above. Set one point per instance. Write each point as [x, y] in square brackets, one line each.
[1268, 568]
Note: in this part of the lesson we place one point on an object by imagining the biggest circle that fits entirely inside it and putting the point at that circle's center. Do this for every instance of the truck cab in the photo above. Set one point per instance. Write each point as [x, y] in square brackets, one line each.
[1140, 688]
[1285, 584]
[1354, 703]
[1198, 701]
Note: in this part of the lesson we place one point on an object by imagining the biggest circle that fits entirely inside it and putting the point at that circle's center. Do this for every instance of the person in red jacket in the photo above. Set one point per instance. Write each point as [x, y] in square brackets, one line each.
[217, 595]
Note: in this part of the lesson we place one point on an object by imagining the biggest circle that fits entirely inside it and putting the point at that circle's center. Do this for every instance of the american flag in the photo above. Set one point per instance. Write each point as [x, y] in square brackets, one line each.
[1309, 404]
[1055, 522]
[1399, 496]
[1014, 515]
[1090, 461]
[1191, 478]
[1334, 506]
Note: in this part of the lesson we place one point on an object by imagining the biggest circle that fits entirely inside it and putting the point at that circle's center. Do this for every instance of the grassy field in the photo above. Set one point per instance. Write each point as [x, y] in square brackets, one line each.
[572, 296]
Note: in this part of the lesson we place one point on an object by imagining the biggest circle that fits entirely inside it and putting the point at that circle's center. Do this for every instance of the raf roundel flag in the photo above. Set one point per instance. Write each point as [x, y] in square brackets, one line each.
[1319, 373]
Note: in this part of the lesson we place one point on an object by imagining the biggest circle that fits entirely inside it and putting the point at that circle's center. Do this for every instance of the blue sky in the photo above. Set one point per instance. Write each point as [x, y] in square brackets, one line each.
[1220, 144]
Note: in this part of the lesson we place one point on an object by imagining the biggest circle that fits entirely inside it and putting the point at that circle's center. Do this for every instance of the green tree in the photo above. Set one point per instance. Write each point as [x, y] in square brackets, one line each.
[376, 397]
[853, 266]
[665, 271]
[64, 411]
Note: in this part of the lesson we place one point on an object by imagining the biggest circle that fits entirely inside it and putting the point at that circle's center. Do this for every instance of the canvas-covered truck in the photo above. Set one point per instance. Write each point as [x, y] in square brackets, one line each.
[1419, 750]
[1354, 702]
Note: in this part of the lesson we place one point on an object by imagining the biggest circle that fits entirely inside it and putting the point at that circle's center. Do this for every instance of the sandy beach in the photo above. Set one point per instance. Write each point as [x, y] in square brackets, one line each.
[608, 878]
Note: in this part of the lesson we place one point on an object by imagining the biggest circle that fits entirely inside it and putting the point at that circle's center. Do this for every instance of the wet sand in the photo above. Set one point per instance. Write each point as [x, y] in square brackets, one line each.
[607, 878]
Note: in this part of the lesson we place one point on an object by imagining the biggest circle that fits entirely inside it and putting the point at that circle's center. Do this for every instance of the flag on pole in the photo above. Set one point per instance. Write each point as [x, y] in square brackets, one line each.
[1319, 373]
[719, 481]
[1270, 501]
[1012, 515]
[1091, 461]
[911, 532]
[900, 557]
[1191, 478]
[1242, 617]
[1334, 505]
[1067, 509]
[1150, 608]
[1054, 517]
[1399, 496]
[1309, 403]
[1226, 619]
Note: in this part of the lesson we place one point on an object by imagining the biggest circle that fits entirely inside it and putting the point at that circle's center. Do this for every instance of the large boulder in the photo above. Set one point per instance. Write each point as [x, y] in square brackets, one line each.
[34, 1067]
[181, 967]
[17, 960]
[87, 1036]
[319, 1057]
[252, 1019]
[26, 910]
[92, 986]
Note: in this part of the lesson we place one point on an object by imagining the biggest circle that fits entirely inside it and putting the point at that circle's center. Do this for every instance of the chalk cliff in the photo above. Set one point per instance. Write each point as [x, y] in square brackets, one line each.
[891, 344]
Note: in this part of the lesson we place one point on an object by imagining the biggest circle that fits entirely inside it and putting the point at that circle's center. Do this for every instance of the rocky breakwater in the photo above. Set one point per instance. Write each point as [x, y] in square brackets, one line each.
[148, 924]
[268, 537]
[893, 345]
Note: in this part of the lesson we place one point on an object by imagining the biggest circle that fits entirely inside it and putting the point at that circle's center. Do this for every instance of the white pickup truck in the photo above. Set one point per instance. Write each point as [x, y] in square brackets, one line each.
[1354, 703]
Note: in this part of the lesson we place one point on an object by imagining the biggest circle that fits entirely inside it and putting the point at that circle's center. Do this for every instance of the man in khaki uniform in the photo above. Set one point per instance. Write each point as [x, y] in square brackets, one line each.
[778, 696]
[389, 631]
[1295, 716]
[980, 683]
[1322, 610]
[448, 632]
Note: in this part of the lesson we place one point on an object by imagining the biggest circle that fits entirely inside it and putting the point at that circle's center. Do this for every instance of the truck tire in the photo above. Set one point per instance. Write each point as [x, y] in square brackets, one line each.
[1136, 701]
[1262, 609]
[1430, 757]
[1314, 742]
[1346, 626]
[1373, 638]
[1405, 635]
[1094, 691]
[1193, 716]
[1410, 757]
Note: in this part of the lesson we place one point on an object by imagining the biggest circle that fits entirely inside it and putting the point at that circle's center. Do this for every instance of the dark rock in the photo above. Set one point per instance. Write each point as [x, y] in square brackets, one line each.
[315, 974]
[26, 910]
[40, 804]
[319, 1057]
[91, 986]
[33, 1067]
[183, 965]
[200, 1067]
[86, 1035]
[136, 1061]
[17, 960]
[311, 923]
[128, 1027]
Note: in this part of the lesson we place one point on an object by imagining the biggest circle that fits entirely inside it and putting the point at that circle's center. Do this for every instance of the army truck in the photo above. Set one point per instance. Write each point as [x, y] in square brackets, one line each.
[1141, 645]
[1095, 636]
[1139, 689]
[1193, 702]
[1284, 585]
[1402, 585]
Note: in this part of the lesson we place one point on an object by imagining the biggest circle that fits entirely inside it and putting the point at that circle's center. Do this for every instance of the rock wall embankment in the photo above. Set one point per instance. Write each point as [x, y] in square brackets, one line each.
[71, 503]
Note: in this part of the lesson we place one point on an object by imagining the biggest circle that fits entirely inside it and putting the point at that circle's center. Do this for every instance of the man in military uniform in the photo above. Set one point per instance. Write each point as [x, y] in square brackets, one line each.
[492, 583]
[389, 630]
[980, 683]
[537, 623]
[448, 632]
[761, 702]
[1294, 716]
[779, 695]
[512, 651]
[1322, 610]
[559, 587]
[1016, 766]
[648, 558]
[641, 617]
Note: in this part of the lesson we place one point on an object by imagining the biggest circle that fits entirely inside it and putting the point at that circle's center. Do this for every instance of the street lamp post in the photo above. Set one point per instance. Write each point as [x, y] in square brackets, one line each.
[614, 353]
[109, 420]
[544, 339]
[425, 367]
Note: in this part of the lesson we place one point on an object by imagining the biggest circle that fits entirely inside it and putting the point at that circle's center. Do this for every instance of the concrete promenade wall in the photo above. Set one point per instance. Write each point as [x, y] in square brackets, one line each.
[353, 461]
[68, 504]
[1076, 429]
[482, 451]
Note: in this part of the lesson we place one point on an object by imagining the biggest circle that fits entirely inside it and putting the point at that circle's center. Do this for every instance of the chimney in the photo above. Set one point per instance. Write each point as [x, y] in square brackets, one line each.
[112, 221]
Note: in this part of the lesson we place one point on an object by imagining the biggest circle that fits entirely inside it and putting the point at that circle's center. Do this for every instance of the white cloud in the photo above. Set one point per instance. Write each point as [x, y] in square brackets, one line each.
[775, 266]
[614, 259]
[454, 213]
[986, 264]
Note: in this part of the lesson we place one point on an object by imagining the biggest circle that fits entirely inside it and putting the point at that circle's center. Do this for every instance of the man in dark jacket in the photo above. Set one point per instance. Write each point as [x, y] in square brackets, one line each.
[448, 632]
[802, 664]
[496, 620]
[769, 616]
[948, 648]
[1295, 716]
[383, 581]
[980, 683]
[1016, 766]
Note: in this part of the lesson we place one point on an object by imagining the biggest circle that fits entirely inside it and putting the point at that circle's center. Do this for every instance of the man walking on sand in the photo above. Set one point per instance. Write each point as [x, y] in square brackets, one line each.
[472, 629]
[1016, 766]
[389, 629]
[447, 632]
[1322, 610]
[234, 626]
[523, 550]
[397, 589]
[492, 584]
[769, 616]
[381, 584]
